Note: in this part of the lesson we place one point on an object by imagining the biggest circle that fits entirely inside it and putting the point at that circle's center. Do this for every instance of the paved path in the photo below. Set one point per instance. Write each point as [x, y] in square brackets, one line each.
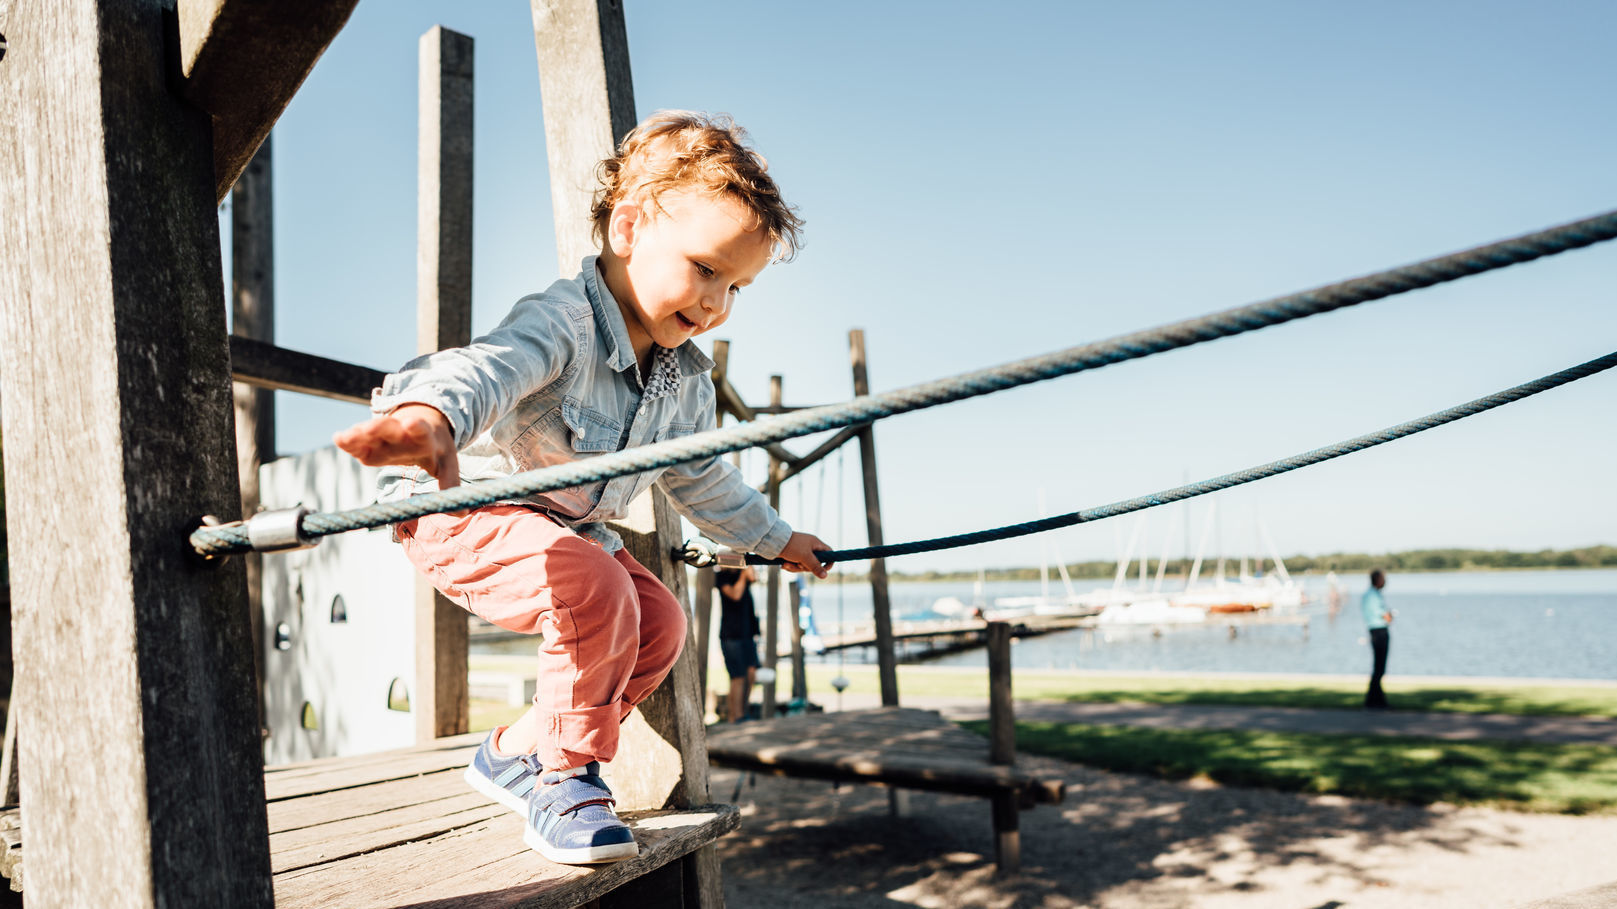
[1550, 729]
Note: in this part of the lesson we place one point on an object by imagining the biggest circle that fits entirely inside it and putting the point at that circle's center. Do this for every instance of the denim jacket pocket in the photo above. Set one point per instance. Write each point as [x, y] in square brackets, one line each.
[642, 481]
[592, 431]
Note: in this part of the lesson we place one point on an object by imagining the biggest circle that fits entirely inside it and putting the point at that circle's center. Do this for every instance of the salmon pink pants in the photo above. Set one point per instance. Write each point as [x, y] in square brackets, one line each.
[611, 630]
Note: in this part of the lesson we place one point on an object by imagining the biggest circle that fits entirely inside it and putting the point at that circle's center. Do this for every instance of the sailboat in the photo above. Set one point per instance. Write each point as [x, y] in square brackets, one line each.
[1249, 591]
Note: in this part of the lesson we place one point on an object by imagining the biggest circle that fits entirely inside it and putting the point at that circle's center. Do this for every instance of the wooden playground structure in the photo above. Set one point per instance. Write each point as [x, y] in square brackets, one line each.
[138, 762]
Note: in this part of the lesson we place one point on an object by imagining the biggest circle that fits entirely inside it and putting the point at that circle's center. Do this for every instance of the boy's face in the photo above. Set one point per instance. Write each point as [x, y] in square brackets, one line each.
[683, 265]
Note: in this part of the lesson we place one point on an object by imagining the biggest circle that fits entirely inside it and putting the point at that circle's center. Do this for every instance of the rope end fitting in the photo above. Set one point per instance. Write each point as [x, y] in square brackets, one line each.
[280, 530]
[704, 553]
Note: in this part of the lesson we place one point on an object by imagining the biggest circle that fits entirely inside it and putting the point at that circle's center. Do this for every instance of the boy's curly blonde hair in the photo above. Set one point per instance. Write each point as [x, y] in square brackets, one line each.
[676, 149]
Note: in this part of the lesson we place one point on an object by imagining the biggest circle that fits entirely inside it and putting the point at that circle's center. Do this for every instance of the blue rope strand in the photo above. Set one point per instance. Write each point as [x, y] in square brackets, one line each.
[1260, 472]
[220, 540]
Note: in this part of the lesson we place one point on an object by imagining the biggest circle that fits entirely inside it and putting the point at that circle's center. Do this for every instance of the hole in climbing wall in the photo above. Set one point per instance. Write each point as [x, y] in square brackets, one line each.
[283, 636]
[339, 610]
[398, 696]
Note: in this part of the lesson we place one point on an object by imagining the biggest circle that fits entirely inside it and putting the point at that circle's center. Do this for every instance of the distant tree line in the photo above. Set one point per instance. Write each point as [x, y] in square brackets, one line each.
[1340, 562]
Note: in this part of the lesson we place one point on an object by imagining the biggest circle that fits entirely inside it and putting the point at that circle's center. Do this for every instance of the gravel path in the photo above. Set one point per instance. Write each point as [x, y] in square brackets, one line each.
[1127, 841]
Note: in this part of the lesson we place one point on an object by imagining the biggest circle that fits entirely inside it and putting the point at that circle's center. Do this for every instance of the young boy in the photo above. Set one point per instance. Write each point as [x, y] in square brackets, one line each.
[687, 216]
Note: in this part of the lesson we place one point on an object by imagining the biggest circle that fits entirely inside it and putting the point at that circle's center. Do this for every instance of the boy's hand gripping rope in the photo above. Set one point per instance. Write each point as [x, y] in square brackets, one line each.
[212, 541]
[702, 553]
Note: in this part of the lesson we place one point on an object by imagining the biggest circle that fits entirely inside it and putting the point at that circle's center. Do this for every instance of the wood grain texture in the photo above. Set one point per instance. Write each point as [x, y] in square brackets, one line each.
[252, 307]
[587, 95]
[118, 437]
[242, 60]
[881, 604]
[439, 698]
[267, 366]
[896, 746]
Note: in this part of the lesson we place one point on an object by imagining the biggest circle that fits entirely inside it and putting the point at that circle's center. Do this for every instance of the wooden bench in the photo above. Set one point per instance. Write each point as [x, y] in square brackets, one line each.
[402, 828]
[904, 748]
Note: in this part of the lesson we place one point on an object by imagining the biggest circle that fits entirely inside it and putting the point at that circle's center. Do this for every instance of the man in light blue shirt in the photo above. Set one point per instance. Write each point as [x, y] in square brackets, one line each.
[1376, 617]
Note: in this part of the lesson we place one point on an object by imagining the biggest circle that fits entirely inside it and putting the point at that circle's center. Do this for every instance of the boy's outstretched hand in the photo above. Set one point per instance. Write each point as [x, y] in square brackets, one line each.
[799, 554]
[414, 434]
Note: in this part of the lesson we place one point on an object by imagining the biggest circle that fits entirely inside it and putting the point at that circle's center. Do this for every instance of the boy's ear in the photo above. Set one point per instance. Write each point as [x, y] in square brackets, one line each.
[622, 227]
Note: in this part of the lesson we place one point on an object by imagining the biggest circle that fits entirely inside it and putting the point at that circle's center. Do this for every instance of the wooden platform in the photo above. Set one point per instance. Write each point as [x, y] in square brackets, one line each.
[894, 746]
[402, 828]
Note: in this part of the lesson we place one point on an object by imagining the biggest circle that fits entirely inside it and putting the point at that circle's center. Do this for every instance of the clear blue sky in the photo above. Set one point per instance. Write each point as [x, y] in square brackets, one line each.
[987, 183]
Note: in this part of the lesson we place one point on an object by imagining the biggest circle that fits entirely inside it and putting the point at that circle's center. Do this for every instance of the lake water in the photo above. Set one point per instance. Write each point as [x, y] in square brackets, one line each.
[1544, 624]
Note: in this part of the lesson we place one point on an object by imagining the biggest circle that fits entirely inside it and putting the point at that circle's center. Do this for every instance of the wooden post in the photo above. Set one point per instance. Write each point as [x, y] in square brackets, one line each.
[242, 60]
[587, 96]
[704, 626]
[443, 319]
[1002, 746]
[799, 669]
[142, 770]
[252, 286]
[588, 103]
[772, 598]
[882, 607]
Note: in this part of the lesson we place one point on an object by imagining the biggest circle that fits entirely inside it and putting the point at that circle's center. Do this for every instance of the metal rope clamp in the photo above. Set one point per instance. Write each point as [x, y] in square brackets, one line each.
[702, 553]
[280, 530]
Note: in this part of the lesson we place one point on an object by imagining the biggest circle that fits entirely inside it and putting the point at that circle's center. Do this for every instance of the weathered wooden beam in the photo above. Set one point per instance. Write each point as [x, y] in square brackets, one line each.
[794, 605]
[268, 366]
[1002, 747]
[844, 435]
[704, 626]
[443, 319]
[587, 95]
[252, 306]
[588, 102]
[142, 776]
[771, 655]
[242, 60]
[881, 605]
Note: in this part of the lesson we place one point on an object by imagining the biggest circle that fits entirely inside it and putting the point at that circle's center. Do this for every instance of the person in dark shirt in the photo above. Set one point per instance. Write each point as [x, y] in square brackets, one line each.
[738, 636]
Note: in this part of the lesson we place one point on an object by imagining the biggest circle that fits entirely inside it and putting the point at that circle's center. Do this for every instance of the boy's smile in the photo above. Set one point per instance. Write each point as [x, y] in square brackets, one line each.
[675, 271]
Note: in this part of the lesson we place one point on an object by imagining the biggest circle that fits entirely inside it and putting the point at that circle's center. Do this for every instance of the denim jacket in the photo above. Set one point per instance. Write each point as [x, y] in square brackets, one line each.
[557, 382]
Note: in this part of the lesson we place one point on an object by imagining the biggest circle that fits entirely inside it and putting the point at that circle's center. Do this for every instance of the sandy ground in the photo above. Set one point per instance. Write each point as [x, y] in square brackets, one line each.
[1127, 841]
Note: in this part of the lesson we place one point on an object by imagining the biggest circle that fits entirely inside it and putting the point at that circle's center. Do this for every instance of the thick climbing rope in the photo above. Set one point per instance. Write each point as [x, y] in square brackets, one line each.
[1240, 477]
[236, 537]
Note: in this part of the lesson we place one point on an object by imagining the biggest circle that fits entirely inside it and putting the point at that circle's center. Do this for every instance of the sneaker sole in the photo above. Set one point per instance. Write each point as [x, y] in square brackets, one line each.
[583, 855]
[496, 792]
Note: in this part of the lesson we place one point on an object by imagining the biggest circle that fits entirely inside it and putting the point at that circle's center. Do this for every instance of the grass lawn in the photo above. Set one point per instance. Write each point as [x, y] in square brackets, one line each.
[1570, 779]
[1525, 698]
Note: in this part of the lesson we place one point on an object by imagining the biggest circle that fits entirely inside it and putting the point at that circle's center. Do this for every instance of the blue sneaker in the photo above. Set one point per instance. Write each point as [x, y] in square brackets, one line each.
[506, 780]
[571, 820]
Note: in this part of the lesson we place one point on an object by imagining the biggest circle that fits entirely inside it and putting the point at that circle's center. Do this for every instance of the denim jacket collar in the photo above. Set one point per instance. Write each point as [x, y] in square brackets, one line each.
[619, 352]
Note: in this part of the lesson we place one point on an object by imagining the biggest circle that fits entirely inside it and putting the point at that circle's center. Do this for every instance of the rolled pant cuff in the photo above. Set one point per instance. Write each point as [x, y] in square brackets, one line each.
[589, 734]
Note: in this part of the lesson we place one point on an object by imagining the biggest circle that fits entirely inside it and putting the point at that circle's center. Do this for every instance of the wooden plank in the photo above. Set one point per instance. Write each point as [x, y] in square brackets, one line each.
[325, 807]
[485, 865]
[440, 698]
[268, 366]
[348, 777]
[347, 837]
[252, 305]
[116, 391]
[242, 60]
[881, 605]
[316, 765]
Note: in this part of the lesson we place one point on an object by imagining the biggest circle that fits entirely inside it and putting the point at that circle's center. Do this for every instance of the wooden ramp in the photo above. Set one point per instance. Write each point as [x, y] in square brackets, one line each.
[892, 746]
[402, 828]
